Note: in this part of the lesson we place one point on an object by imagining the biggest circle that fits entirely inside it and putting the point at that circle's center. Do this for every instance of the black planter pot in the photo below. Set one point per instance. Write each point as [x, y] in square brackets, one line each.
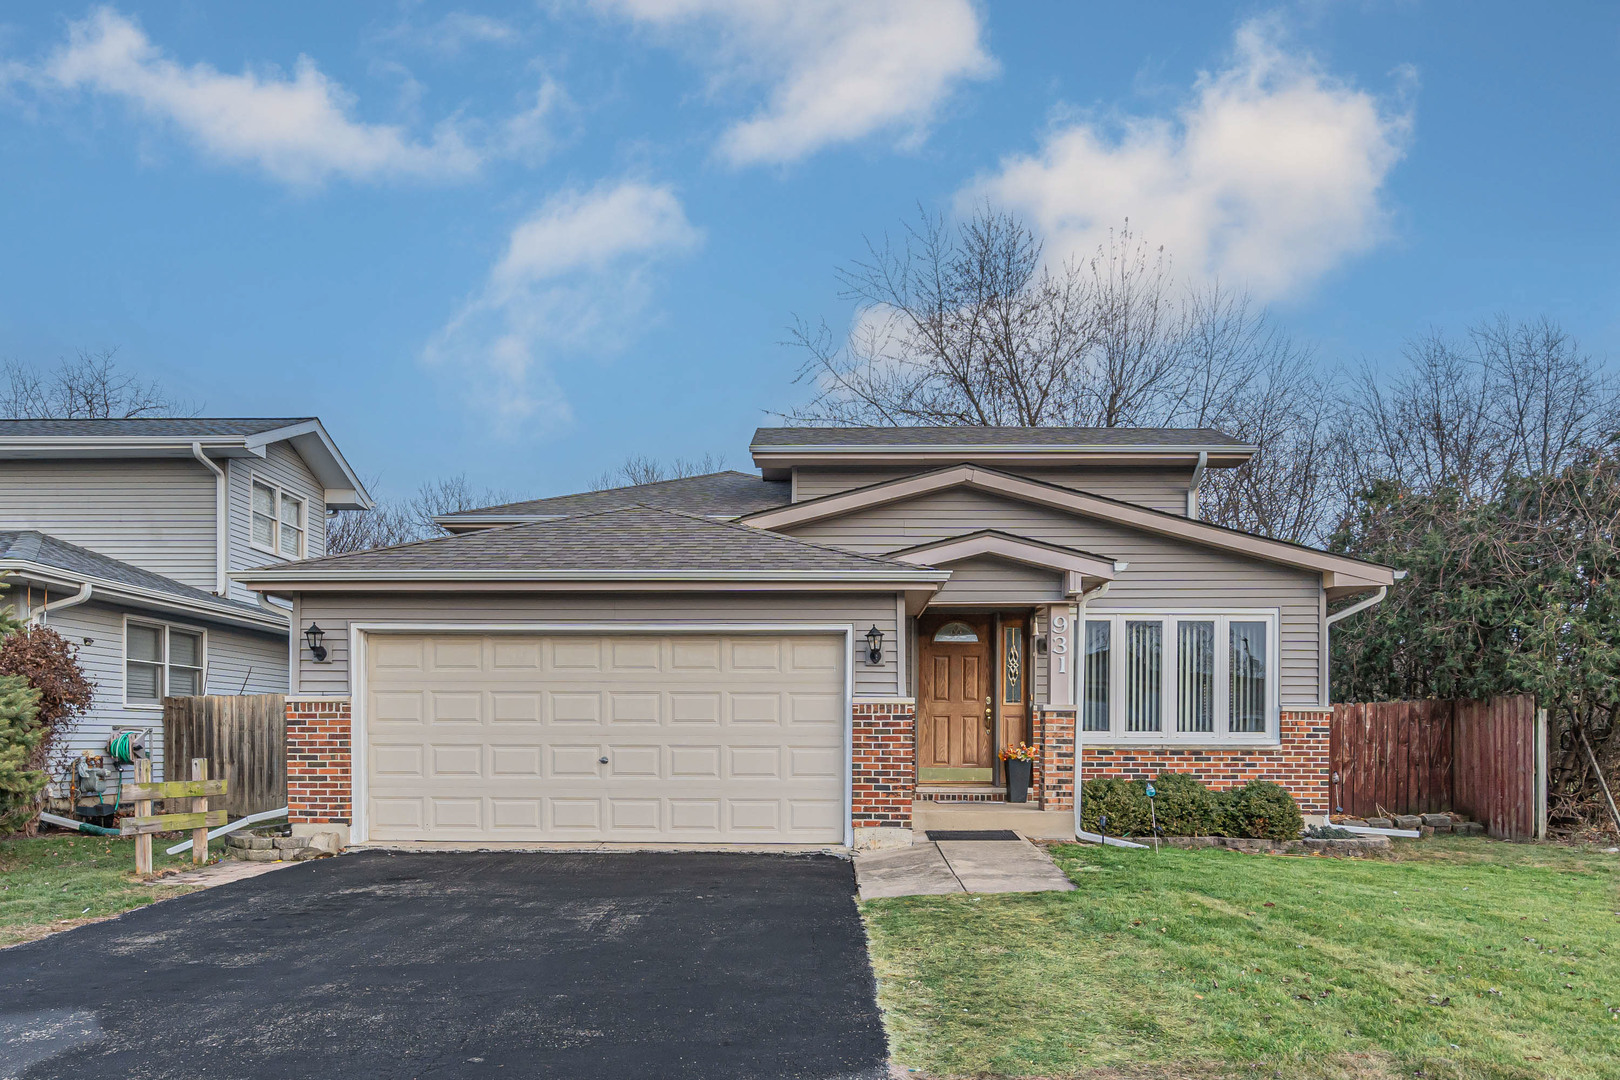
[1018, 777]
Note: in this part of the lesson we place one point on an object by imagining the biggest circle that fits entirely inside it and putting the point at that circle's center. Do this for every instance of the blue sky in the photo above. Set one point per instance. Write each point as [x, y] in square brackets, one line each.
[525, 241]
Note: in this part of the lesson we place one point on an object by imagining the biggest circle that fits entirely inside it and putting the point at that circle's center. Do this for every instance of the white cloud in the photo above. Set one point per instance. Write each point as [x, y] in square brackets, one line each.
[835, 70]
[572, 281]
[297, 129]
[1269, 176]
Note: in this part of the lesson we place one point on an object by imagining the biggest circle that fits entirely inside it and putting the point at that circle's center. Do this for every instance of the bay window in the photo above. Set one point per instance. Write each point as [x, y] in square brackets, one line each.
[1201, 677]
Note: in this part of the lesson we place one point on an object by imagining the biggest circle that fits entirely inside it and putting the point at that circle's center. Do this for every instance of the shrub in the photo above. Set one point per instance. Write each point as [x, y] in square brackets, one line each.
[41, 660]
[1185, 807]
[1123, 801]
[1261, 810]
[20, 736]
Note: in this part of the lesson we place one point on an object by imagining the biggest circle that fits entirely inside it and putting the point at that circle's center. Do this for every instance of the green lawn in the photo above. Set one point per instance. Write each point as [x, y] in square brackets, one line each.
[57, 881]
[1456, 958]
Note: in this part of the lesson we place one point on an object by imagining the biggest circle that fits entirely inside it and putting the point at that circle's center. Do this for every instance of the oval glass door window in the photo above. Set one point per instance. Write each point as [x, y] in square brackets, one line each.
[955, 632]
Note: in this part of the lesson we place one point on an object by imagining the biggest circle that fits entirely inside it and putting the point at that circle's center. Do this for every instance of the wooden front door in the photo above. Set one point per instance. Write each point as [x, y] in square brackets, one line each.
[954, 706]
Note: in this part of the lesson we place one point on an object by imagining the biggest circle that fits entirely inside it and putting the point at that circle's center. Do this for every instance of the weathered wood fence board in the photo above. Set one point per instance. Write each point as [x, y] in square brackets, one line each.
[244, 739]
[1416, 757]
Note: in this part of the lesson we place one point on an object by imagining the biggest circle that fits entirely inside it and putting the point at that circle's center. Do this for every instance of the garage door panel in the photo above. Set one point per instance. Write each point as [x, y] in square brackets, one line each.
[708, 738]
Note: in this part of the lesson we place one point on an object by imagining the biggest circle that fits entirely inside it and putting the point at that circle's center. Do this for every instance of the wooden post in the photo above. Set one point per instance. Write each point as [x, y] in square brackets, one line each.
[199, 805]
[143, 808]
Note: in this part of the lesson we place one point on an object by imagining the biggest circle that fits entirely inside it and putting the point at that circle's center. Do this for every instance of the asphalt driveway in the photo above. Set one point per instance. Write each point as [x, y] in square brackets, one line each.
[463, 965]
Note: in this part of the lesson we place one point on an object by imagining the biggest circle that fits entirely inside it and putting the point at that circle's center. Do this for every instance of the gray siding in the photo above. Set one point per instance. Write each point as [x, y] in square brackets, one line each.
[334, 612]
[230, 653]
[997, 581]
[284, 468]
[1159, 488]
[1163, 573]
[155, 514]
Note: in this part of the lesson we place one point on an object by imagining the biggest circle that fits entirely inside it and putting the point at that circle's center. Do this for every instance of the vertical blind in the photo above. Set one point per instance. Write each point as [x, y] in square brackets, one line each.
[1144, 644]
[1248, 660]
[1096, 675]
[1195, 669]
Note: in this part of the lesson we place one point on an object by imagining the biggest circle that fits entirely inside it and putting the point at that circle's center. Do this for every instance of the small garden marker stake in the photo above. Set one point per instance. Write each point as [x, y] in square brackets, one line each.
[1153, 815]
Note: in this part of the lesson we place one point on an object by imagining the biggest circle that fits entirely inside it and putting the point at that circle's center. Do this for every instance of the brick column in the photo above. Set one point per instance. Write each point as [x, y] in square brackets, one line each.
[883, 762]
[1054, 766]
[319, 770]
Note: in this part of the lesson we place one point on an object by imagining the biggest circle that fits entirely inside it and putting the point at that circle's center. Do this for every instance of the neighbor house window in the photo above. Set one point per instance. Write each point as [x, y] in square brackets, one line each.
[278, 521]
[1191, 677]
[161, 661]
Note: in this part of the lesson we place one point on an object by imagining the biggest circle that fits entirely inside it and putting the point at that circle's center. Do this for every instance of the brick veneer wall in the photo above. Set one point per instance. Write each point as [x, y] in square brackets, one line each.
[883, 756]
[318, 762]
[1052, 782]
[1299, 763]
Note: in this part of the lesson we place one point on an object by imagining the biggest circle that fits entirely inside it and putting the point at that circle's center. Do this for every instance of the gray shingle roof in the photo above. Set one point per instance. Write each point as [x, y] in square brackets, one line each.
[969, 437]
[728, 494]
[640, 538]
[29, 545]
[158, 427]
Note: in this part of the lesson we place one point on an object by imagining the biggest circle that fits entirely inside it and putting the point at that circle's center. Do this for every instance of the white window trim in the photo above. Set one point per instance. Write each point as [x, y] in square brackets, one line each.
[159, 624]
[274, 547]
[1118, 736]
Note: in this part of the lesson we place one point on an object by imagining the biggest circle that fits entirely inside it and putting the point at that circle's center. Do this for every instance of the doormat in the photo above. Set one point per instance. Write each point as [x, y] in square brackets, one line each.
[972, 834]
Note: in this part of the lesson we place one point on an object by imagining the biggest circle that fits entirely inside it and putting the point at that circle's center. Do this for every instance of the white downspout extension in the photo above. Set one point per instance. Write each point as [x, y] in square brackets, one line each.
[39, 617]
[219, 517]
[1197, 482]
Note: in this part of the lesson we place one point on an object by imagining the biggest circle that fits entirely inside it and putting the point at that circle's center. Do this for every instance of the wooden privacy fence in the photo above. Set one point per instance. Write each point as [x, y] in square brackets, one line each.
[243, 739]
[1485, 759]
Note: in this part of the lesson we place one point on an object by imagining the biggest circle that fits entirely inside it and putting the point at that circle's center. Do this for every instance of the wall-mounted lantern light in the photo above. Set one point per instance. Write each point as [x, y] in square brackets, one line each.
[874, 646]
[313, 635]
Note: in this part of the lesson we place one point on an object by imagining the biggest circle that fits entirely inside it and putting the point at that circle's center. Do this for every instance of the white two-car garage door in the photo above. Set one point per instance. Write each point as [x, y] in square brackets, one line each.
[561, 737]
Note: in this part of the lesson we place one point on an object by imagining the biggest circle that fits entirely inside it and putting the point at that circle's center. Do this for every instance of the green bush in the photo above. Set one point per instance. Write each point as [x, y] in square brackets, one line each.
[1261, 810]
[1123, 801]
[1185, 807]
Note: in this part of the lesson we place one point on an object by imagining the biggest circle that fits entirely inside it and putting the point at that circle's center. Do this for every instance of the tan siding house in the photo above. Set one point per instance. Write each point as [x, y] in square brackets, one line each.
[835, 650]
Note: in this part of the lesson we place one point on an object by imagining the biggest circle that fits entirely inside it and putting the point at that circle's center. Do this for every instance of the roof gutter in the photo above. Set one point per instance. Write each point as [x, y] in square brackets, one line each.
[116, 590]
[253, 577]
[41, 616]
[220, 584]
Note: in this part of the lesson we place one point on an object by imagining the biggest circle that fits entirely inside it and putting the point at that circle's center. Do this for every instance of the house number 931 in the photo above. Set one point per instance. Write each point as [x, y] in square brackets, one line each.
[1060, 642]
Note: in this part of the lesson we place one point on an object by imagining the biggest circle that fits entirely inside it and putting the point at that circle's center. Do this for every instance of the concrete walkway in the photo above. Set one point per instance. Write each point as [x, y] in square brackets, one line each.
[958, 866]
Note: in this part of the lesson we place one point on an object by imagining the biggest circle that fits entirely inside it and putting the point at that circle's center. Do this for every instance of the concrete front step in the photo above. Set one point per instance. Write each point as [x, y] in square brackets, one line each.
[1025, 819]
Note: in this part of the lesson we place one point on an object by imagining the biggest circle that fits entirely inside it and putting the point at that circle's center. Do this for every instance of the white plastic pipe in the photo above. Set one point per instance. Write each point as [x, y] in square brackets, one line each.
[1110, 841]
[1383, 591]
[81, 826]
[251, 819]
[1368, 830]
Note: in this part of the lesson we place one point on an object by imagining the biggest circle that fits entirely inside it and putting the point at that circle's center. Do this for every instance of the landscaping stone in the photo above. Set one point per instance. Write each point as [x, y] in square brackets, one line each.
[1358, 846]
[247, 841]
[1469, 828]
[328, 842]
[1380, 823]
[290, 843]
[1408, 821]
[258, 854]
[1437, 821]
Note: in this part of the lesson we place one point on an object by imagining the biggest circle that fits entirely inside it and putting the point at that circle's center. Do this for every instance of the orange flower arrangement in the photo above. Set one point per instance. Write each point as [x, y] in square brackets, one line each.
[1021, 752]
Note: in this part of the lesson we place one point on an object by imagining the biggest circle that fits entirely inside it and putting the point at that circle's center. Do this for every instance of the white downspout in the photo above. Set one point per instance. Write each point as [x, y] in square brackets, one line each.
[1375, 598]
[1080, 705]
[219, 517]
[1197, 482]
[39, 617]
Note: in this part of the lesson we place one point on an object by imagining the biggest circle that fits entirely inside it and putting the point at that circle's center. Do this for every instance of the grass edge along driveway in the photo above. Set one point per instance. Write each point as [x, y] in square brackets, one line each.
[57, 881]
[1457, 957]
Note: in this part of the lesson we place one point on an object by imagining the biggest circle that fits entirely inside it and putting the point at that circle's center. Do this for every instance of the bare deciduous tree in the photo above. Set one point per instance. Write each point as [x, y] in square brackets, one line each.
[89, 387]
[407, 520]
[971, 326]
[640, 469]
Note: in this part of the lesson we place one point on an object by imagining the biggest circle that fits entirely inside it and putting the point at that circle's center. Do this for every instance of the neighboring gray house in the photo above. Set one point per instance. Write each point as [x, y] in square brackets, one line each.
[828, 651]
[121, 535]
